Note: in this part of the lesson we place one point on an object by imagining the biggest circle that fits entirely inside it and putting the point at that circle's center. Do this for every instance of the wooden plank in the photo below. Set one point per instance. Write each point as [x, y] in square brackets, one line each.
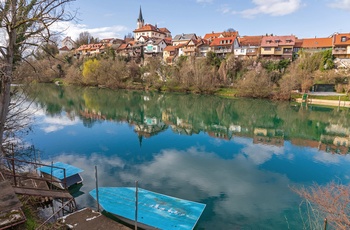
[43, 193]
[89, 219]
[8, 198]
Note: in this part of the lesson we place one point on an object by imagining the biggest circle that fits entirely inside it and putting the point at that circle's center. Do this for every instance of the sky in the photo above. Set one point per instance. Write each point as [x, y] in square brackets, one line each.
[303, 18]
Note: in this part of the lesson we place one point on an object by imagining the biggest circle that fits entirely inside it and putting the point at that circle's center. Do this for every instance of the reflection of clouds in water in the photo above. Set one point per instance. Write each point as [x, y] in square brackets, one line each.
[259, 153]
[53, 124]
[329, 158]
[232, 188]
[198, 175]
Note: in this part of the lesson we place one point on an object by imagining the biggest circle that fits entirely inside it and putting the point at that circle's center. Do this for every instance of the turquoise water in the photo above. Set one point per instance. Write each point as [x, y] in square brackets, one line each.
[238, 156]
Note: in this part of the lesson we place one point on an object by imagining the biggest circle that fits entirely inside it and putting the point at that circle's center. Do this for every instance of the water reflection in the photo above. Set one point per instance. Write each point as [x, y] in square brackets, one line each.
[238, 156]
[232, 188]
[152, 113]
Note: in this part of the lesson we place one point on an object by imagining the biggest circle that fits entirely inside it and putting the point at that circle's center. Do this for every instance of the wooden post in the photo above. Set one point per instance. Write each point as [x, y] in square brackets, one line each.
[96, 179]
[136, 203]
[14, 172]
[51, 174]
[325, 223]
[65, 179]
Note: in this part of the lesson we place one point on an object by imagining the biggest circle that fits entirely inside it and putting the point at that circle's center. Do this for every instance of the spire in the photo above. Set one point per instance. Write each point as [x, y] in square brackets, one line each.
[140, 20]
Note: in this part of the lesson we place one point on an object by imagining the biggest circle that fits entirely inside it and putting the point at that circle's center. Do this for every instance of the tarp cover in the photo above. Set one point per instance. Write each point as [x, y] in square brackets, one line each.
[58, 173]
[154, 209]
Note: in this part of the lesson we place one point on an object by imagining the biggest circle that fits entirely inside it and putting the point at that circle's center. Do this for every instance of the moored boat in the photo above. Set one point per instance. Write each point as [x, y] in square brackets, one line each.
[153, 210]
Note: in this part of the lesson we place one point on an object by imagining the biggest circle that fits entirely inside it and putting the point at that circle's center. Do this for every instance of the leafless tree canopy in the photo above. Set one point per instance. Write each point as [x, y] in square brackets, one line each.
[333, 200]
[24, 24]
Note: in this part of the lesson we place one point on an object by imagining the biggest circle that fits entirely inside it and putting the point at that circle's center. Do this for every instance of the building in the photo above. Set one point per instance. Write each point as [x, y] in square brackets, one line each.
[341, 45]
[183, 39]
[224, 45]
[249, 47]
[313, 45]
[67, 45]
[148, 30]
[277, 47]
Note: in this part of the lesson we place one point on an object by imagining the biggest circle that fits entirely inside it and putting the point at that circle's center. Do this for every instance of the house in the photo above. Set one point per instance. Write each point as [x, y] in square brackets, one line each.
[155, 46]
[183, 39]
[169, 54]
[67, 45]
[341, 46]
[148, 30]
[277, 47]
[203, 47]
[190, 48]
[224, 45]
[91, 49]
[211, 36]
[312, 45]
[249, 47]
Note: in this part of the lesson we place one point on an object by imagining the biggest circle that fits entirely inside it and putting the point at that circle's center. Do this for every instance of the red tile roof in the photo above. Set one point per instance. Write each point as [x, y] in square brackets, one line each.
[341, 39]
[250, 40]
[170, 48]
[212, 35]
[275, 41]
[149, 27]
[226, 41]
[317, 42]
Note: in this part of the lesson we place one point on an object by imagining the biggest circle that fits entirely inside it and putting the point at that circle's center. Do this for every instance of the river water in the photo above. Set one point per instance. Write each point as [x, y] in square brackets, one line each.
[240, 157]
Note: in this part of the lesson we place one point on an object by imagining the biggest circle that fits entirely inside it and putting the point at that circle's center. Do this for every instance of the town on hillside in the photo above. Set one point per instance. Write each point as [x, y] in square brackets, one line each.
[150, 40]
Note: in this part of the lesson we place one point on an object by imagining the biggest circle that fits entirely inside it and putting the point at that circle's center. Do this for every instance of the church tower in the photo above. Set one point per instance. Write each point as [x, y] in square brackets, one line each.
[140, 21]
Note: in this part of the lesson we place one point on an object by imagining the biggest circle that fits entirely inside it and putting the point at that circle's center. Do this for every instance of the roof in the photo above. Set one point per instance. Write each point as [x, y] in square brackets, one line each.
[154, 209]
[184, 37]
[275, 41]
[212, 35]
[342, 39]
[164, 30]
[64, 48]
[317, 42]
[298, 43]
[170, 48]
[250, 40]
[222, 41]
[58, 172]
[122, 46]
[148, 27]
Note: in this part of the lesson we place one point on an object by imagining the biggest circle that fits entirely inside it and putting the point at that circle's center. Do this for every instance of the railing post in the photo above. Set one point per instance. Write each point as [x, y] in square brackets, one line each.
[65, 179]
[325, 223]
[136, 202]
[14, 171]
[97, 200]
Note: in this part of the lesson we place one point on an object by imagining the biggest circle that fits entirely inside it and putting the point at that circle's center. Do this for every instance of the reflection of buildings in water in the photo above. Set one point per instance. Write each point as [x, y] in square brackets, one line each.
[268, 136]
[219, 131]
[335, 144]
[94, 115]
[150, 127]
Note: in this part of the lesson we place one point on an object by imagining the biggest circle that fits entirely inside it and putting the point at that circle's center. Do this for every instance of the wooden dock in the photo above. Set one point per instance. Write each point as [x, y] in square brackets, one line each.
[89, 219]
[10, 207]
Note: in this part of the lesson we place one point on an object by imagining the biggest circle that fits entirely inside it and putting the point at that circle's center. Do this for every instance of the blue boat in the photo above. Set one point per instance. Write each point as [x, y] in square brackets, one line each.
[56, 173]
[154, 210]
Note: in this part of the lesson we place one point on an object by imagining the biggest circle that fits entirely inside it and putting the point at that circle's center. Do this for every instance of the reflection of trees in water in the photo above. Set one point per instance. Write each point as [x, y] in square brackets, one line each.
[197, 112]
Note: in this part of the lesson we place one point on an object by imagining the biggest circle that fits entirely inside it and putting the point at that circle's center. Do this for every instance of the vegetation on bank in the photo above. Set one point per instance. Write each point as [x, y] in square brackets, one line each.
[229, 76]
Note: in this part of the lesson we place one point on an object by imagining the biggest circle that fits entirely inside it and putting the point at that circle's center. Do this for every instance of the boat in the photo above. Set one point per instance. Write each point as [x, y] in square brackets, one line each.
[60, 173]
[153, 210]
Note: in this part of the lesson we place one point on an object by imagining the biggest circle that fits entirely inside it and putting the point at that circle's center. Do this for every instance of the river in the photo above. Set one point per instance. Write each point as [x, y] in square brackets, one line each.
[240, 157]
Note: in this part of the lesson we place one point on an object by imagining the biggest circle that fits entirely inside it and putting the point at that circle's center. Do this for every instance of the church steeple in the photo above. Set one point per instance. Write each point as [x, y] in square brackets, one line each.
[140, 20]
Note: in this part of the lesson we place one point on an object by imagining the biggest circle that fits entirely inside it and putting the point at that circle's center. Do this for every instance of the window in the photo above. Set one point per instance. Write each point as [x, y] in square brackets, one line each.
[343, 39]
[278, 49]
[267, 49]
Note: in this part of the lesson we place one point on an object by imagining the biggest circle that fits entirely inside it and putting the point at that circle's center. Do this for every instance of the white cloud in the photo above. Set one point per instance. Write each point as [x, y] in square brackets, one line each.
[53, 124]
[73, 30]
[225, 9]
[272, 7]
[341, 4]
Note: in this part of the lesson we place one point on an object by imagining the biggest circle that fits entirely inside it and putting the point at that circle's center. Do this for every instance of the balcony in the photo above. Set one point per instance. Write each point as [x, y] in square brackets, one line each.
[339, 51]
[221, 51]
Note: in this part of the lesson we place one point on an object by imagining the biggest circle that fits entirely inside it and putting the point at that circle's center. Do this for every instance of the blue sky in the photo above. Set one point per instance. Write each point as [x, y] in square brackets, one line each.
[303, 18]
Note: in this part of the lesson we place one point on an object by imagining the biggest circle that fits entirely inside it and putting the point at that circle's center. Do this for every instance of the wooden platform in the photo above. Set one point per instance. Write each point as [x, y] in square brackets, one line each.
[43, 193]
[10, 207]
[89, 219]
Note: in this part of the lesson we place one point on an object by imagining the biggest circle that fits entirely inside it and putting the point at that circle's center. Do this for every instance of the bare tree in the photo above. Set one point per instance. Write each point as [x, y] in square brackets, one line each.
[23, 24]
[333, 200]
